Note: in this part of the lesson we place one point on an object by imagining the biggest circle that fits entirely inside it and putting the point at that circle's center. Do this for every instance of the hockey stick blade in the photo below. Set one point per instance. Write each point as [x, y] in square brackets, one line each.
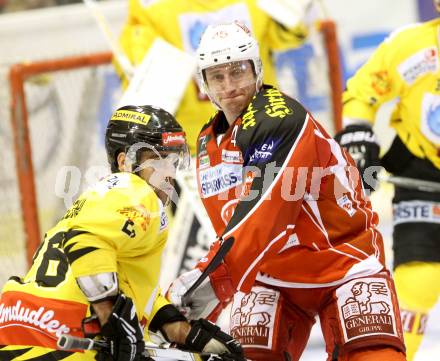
[412, 183]
[68, 343]
[215, 262]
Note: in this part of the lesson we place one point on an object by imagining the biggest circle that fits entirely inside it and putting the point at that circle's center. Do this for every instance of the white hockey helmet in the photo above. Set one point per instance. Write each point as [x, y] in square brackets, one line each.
[227, 43]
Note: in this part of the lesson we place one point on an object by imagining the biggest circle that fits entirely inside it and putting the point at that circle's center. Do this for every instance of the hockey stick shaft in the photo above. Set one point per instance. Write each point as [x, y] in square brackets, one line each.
[125, 64]
[215, 262]
[68, 342]
[413, 183]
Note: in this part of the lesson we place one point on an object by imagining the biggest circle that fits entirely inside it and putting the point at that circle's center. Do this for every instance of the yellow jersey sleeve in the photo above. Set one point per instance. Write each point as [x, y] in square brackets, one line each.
[375, 83]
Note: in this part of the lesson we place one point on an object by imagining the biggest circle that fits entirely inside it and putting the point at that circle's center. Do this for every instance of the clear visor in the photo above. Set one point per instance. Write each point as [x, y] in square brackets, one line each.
[226, 78]
[161, 164]
[145, 155]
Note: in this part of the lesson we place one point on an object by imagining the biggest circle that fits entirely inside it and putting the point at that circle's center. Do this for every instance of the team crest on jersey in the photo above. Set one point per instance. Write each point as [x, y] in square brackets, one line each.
[253, 317]
[366, 308]
[423, 62]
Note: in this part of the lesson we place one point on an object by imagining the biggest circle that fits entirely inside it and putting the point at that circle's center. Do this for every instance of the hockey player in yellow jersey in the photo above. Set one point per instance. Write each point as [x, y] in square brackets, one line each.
[100, 264]
[181, 23]
[406, 67]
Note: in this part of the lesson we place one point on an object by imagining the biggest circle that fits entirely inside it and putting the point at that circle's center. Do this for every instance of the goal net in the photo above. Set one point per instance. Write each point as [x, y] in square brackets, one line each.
[54, 113]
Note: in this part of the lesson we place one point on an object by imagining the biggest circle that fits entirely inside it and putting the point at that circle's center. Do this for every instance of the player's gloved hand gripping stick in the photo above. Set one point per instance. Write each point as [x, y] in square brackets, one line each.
[215, 262]
[193, 292]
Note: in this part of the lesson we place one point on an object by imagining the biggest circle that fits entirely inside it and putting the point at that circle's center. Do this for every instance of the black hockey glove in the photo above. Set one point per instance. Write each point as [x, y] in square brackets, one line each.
[361, 143]
[123, 333]
[204, 336]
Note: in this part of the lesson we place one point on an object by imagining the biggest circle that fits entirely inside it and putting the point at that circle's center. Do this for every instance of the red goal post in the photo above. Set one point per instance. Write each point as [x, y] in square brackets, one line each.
[328, 29]
[18, 74]
[19, 109]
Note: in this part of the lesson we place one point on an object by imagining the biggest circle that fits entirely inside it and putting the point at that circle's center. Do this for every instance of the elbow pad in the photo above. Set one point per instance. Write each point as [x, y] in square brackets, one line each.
[99, 287]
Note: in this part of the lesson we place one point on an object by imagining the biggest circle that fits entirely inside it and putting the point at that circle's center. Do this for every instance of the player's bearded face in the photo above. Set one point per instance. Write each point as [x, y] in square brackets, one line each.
[437, 5]
[231, 85]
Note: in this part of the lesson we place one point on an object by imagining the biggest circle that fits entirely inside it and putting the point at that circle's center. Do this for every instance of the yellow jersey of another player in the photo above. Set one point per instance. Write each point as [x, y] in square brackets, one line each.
[181, 23]
[117, 226]
[405, 66]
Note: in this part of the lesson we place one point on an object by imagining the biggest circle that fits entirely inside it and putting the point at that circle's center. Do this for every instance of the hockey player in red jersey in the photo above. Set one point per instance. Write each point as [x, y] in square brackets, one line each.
[306, 242]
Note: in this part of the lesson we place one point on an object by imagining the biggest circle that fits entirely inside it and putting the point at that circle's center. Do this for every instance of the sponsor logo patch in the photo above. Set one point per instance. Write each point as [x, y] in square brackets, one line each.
[231, 156]
[358, 136]
[138, 214]
[131, 116]
[202, 143]
[220, 178]
[416, 211]
[204, 161]
[380, 82]
[253, 317]
[40, 321]
[365, 308]
[423, 62]
[261, 153]
[248, 119]
[346, 204]
[171, 139]
[276, 107]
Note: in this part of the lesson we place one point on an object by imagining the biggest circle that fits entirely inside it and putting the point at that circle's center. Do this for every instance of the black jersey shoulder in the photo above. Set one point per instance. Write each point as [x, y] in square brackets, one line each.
[273, 121]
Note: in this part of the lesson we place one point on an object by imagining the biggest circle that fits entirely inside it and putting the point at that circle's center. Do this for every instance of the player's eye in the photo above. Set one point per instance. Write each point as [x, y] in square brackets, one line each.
[217, 77]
